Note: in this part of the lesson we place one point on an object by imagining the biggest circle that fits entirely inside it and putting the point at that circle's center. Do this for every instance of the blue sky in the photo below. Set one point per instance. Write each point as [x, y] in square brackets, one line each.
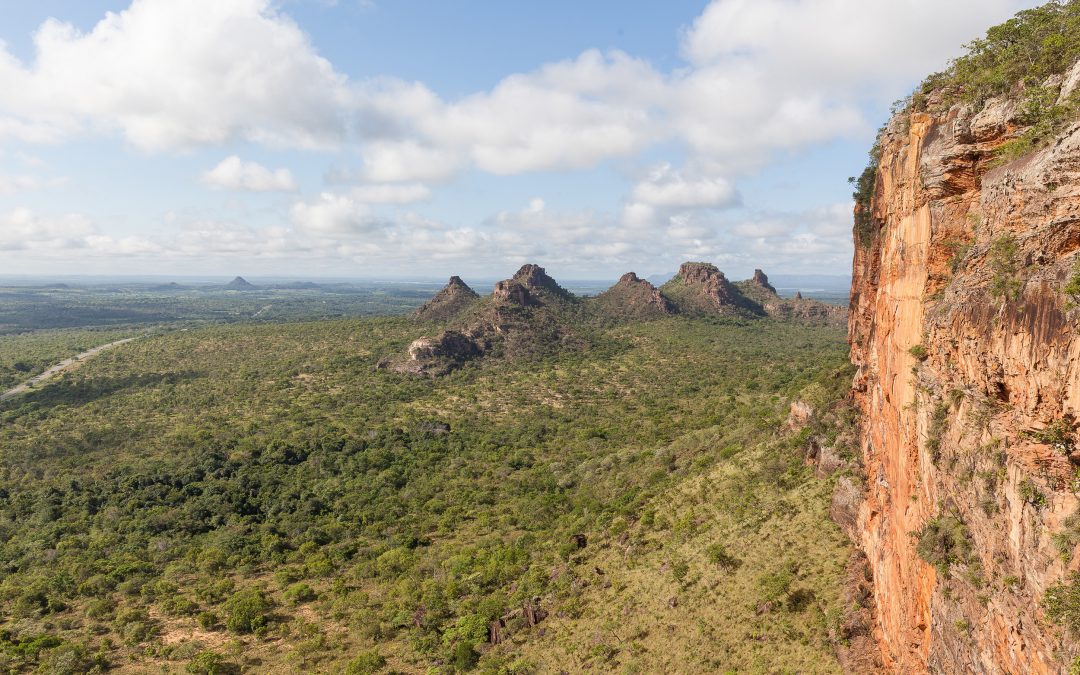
[423, 138]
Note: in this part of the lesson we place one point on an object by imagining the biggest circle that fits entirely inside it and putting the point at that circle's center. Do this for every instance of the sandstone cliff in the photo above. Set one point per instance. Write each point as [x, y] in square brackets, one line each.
[965, 336]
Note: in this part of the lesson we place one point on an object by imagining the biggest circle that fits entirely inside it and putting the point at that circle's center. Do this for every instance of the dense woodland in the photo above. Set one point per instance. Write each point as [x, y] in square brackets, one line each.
[260, 497]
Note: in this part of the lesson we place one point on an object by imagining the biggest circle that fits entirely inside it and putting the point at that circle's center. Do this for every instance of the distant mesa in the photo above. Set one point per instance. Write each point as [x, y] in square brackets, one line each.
[171, 286]
[239, 284]
[452, 300]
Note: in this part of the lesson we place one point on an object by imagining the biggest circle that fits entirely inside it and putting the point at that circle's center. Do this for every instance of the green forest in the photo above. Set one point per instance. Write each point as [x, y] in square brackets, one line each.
[263, 498]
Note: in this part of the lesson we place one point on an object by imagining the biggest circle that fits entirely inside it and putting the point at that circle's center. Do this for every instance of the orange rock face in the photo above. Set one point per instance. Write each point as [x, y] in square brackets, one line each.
[967, 352]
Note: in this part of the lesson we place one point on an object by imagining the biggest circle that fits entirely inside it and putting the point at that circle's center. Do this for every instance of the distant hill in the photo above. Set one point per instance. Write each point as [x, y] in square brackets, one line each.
[531, 314]
[239, 284]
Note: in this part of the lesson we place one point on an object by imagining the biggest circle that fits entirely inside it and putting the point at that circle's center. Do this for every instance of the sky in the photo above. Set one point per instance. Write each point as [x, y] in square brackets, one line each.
[422, 138]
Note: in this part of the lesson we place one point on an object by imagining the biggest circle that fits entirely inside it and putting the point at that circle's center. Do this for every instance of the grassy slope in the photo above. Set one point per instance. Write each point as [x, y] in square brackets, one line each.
[154, 483]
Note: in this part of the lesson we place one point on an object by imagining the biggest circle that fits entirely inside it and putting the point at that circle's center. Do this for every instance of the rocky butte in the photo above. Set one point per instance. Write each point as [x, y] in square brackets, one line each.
[963, 327]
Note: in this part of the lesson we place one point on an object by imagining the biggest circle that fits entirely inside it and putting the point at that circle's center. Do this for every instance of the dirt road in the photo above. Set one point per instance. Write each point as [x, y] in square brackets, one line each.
[61, 367]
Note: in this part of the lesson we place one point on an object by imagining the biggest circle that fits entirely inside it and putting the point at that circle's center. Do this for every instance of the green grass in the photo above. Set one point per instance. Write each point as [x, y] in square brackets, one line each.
[261, 496]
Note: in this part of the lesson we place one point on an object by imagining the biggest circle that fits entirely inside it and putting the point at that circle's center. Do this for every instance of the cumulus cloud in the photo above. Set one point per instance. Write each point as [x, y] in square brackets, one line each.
[759, 77]
[170, 75]
[234, 174]
[666, 186]
[334, 215]
[23, 229]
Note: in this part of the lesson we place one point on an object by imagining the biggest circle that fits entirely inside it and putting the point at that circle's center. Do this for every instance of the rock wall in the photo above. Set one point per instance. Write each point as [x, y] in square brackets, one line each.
[968, 385]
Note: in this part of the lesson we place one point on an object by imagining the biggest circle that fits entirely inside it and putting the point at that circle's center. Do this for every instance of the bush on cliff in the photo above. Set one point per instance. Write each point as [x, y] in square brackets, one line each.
[943, 542]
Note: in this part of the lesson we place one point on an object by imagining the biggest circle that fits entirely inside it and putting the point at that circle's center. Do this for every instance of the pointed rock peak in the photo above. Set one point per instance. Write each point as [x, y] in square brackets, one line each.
[452, 299]
[762, 280]
[456, 285]
[633, 298]
[798, 295]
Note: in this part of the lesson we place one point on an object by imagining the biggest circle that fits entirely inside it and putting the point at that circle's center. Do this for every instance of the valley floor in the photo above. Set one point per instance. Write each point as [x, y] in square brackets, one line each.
[261, 497]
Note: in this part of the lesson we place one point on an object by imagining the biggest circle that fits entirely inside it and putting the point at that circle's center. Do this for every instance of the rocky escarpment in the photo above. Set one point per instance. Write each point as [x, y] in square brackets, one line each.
[964, 331]
[448, 303]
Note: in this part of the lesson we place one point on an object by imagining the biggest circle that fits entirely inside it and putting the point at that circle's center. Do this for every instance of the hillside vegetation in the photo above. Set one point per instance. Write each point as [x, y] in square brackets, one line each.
[263, 498]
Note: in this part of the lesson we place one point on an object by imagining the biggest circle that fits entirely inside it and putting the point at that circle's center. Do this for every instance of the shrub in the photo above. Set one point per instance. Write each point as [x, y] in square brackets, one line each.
[939, 420]
[1004, 265]
[1062, 602]
[776, 585]
[1058, 434]
[1068, 539]
[464, 657]
[919, 352]
[366, 663]
[207, 620]
[298, 594]
[246, 610]
[1031, 494]
[943, 542]
[719, 556]
[210, 663]
[1072, 288]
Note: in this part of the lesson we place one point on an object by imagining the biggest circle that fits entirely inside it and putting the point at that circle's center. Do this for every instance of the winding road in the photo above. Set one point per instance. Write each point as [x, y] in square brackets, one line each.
[61, 367]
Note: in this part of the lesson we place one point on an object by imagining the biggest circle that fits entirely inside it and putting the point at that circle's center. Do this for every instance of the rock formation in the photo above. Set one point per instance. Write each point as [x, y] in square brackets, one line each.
[968, 382]
[701, 288]
[632, 298]
[448, 303]
[759, 290]
[530, 285]
[760, 279]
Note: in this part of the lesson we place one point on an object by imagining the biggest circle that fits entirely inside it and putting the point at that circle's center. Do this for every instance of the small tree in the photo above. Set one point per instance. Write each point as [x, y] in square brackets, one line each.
[246, 610]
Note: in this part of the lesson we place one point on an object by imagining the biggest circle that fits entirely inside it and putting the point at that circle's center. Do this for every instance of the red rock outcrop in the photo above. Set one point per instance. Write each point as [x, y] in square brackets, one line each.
[968, 385]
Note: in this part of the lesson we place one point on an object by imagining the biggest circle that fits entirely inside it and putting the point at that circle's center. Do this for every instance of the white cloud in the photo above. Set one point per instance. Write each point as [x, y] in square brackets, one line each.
[391, 161]
[666, 186]
[234, 174]
[760, 77]
[171, 75]
[10, 184]
[23, 229]
[392, 194]
[334, 216]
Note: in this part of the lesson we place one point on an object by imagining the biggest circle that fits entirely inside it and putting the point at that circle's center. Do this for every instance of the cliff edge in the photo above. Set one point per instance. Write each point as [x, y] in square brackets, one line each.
[963, 326]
